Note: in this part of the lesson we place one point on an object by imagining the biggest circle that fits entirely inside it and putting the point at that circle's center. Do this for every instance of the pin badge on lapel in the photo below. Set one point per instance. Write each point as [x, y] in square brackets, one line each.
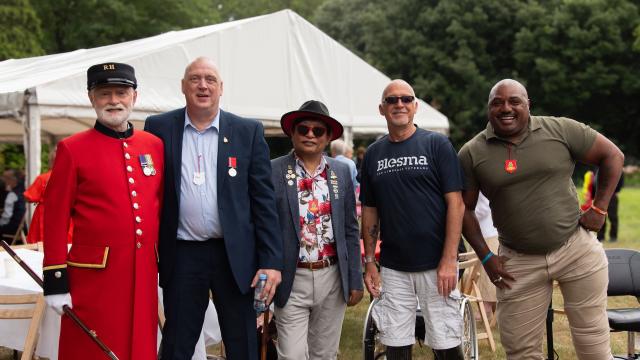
[334, 184]
[290, 176]
[232, 165]
[225, 140]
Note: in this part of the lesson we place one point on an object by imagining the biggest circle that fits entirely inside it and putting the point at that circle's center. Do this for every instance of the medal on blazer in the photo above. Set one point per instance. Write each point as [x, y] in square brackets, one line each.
[232, 166]
[146, 162]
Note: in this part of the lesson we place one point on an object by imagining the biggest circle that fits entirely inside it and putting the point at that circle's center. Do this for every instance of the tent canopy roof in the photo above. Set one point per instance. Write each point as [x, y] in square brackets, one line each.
[270, 65]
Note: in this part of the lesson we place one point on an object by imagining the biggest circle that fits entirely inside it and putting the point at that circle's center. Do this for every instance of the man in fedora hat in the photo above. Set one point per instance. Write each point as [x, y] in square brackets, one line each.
[322, 273]
[107, 180]
[411, 187]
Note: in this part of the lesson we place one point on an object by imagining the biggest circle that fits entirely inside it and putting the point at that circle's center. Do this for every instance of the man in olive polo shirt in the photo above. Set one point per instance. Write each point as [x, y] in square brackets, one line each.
[523, 164]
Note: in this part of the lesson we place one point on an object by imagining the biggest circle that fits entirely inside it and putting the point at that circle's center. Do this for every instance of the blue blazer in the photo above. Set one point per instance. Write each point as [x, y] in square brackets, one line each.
[343, 221]
[246, 202]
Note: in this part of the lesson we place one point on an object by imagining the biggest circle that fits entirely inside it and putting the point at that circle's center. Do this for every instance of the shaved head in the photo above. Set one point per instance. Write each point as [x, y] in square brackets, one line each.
[508, 82]
[398, 84]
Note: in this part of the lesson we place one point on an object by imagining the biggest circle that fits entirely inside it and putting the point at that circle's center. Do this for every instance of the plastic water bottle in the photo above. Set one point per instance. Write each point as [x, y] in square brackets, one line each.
[259, 304]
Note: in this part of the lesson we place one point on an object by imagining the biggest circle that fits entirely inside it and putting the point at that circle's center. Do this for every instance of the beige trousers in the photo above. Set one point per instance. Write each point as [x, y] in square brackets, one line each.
[580, 267]
[310, 324]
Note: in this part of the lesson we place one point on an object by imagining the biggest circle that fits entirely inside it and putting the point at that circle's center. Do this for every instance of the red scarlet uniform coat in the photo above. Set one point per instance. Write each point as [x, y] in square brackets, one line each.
[111, 270]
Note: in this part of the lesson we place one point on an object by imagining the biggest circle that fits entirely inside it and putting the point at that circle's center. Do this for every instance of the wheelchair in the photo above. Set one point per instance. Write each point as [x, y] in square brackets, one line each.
[374, 350]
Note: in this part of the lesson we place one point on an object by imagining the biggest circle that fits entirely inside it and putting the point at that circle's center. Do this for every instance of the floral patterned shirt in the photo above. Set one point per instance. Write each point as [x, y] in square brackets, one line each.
[316, 232]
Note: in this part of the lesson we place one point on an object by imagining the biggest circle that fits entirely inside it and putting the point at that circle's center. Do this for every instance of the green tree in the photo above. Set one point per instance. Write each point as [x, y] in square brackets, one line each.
[579, 62]
[19, 30]
[240, 9]
[450, 50]
[74, 24]
[576, 57]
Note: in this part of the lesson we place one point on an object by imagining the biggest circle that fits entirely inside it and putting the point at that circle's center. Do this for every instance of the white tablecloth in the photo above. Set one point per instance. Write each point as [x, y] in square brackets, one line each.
[15, 281]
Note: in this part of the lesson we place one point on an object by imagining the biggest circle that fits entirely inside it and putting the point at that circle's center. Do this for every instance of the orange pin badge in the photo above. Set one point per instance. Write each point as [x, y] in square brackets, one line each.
[510, 166]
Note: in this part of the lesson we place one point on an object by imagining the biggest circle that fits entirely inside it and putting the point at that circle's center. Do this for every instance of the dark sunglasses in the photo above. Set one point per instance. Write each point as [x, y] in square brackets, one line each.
[304, 130]
[392, 100]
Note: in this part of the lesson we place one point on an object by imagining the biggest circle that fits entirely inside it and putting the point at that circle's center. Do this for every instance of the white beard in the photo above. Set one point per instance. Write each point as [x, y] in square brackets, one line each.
[113, 120]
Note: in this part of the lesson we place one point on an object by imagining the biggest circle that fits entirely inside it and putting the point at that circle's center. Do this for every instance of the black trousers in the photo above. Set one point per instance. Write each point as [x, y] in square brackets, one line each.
[200, 267]
[612, 216]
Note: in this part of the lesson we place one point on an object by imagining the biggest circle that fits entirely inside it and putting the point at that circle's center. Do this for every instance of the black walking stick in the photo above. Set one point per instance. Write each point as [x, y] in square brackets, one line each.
[91, 333]
[549, 322]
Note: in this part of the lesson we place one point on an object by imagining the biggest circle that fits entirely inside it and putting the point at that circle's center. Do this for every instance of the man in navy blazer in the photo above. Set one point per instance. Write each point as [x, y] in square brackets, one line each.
[218, 227]
[322, 267]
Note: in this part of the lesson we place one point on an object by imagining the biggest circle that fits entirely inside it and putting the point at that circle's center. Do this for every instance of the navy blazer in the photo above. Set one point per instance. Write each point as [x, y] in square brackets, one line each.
[343, 221]
[246, 202]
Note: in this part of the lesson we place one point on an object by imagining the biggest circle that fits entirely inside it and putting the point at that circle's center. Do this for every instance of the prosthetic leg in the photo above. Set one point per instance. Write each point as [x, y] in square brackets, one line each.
[399, 352]
[449, 354]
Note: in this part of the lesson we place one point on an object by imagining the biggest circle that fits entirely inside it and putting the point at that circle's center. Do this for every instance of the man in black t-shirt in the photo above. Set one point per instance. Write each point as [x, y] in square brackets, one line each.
[411, 188]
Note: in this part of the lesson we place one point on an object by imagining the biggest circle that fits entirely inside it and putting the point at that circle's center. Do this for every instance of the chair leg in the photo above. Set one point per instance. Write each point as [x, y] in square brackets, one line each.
[631, 345]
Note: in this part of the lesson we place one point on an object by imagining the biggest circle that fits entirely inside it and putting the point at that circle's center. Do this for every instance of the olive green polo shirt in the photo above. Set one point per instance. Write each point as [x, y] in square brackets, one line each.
[535, 207]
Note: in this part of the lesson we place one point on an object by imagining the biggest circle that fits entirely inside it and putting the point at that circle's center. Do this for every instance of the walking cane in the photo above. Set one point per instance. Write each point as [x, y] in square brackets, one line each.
[91, 333]
[265, 335]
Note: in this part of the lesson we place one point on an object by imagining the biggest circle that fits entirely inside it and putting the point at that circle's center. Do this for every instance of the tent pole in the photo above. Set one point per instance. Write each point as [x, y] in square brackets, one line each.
[347, 136]
[31, 139]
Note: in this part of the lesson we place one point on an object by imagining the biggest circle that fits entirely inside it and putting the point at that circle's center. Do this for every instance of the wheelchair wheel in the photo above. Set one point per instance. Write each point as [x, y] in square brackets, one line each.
[372, 348]
[469, 339]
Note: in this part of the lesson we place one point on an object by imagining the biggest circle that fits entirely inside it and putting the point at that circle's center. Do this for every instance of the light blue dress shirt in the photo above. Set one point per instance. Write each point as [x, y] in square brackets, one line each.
[199, 217]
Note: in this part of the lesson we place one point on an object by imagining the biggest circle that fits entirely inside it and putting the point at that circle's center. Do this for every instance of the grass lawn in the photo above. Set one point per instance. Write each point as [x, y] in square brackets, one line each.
[628, 237]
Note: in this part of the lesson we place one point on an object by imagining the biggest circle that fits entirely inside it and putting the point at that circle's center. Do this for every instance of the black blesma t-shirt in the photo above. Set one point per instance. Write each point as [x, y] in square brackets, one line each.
[406, 182]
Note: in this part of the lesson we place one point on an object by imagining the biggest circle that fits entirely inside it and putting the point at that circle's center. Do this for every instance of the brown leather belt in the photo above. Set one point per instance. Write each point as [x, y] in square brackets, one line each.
[317, 265]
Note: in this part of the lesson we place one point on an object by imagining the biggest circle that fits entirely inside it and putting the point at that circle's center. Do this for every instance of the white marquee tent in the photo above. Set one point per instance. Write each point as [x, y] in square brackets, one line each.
[270, 64]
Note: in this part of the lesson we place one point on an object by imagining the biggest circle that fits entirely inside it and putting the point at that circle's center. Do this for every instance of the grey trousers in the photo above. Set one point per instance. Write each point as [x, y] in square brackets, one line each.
[310, 324]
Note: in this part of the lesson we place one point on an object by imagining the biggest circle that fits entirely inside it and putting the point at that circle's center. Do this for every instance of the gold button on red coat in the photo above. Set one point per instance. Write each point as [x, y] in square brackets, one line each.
[138, 244]
[138, 219]
[127, 156]
[134, 193]
[136, 206]
[131, 181]
[139, 232]
[129, 168]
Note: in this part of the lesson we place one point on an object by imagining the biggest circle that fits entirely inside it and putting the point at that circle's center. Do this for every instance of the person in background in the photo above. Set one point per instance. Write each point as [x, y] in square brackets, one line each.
[612, 214]
[339, 150]
[588, 187]
[490, 234]
[322, 267]
[35, 194]
[14, 206]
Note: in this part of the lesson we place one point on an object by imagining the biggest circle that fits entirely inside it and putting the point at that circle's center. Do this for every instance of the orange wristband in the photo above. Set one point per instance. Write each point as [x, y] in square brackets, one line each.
[598, 210]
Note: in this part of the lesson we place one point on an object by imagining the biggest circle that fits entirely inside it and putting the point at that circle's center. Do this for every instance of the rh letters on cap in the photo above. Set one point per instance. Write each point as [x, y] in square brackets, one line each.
[109, 67]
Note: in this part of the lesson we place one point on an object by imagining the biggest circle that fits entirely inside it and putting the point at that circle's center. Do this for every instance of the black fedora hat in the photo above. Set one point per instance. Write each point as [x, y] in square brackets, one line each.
[311, 110]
